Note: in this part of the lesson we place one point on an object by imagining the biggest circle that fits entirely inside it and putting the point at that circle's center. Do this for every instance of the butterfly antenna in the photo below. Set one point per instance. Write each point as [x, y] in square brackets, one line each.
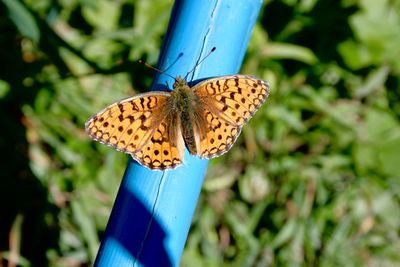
[155, 69]
[199, 62]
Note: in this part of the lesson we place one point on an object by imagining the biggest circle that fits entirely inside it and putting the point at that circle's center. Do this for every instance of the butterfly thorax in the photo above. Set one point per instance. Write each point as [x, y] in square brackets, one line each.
[185, 101]
[182, 95]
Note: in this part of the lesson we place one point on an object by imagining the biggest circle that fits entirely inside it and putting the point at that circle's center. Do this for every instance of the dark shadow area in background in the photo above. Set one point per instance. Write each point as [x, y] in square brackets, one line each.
[20, 191]
[323, 40]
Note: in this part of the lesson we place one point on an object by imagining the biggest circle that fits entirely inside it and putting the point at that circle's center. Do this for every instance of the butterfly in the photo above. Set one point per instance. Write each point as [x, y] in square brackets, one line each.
[154, 127]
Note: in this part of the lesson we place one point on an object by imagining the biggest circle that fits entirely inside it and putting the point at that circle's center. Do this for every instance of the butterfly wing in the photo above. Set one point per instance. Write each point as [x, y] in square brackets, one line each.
[227, 103]
[141, 126]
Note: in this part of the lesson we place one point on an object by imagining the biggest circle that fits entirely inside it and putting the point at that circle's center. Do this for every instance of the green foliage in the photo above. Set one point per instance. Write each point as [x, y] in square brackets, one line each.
[312, 181]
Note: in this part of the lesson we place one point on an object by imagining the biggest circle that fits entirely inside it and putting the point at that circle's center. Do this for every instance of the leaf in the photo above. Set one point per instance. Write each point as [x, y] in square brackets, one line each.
[23, 19]
[290, 51]
[4, 88]
[377, 31]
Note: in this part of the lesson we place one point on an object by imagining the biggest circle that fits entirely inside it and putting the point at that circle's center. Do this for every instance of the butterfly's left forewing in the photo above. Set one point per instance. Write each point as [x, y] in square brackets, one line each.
[227, 103]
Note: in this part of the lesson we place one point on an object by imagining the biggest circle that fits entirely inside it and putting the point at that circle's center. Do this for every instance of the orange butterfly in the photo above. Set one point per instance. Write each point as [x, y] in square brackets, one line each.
[154, 127]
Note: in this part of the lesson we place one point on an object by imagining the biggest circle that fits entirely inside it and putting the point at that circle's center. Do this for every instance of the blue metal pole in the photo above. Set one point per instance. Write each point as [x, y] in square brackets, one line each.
[152, 214]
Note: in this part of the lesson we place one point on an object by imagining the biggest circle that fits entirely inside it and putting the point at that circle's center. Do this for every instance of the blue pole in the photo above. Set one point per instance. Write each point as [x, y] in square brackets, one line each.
[152, 214]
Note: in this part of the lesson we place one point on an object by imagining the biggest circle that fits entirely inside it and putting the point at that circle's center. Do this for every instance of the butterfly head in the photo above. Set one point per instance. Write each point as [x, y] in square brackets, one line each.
[179, 83]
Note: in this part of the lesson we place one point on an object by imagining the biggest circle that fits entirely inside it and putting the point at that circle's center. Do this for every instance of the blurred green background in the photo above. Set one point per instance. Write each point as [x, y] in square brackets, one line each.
[312, 181]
